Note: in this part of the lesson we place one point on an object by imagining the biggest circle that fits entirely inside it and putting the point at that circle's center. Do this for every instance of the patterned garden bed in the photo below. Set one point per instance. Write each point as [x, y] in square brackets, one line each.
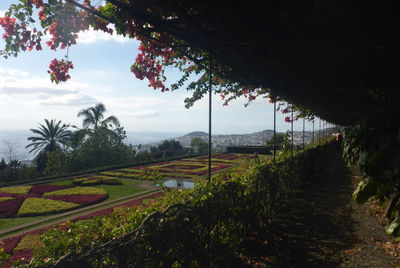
[38, 200]
[21, 246]
[188, 168]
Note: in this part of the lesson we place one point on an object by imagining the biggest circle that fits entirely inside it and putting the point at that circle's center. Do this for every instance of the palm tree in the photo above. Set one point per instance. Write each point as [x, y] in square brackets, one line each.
[93, 116]
[51, 136]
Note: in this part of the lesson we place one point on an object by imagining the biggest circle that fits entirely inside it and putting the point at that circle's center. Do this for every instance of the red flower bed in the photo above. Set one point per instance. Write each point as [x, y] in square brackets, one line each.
[10, 243]
[26, 254]
[19, 196]
[40, 189]
[10, 207]
[79, 198]
[177, 166]
[108, 211]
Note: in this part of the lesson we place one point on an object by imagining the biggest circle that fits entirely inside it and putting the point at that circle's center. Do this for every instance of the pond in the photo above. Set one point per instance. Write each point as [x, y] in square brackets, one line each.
[179, 184]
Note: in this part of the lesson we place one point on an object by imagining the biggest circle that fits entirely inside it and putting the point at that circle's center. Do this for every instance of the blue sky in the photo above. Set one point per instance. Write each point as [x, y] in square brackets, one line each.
[102, 74]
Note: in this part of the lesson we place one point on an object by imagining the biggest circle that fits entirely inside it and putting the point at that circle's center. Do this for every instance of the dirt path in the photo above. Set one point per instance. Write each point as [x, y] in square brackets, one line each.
[322, 227]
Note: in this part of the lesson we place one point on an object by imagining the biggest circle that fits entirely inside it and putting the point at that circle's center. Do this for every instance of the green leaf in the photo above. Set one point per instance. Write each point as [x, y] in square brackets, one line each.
[393, 228]
[365, 189]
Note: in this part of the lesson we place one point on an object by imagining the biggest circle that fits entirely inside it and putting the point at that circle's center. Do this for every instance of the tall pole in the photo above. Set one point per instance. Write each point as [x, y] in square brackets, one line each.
[274, 131]
[292, 131]
[319, 131]
[209, 123]
[313, 131]
[304, 129]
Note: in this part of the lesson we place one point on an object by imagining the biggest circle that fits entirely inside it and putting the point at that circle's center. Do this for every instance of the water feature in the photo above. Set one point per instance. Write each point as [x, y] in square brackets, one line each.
[179, 184]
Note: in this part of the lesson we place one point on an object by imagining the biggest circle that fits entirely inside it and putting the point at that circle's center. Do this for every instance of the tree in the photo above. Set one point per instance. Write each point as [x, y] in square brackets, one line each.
[279, 140]
[93, 117]
[200, 145]
[102, 147]
[51, 136]
[3, 164]
[13, 156]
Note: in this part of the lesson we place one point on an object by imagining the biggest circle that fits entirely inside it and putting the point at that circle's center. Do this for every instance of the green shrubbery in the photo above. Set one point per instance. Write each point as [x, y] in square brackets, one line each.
[40, 206]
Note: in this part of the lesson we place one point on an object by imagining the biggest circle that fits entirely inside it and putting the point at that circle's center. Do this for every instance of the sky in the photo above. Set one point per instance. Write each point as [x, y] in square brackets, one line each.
[102, 74]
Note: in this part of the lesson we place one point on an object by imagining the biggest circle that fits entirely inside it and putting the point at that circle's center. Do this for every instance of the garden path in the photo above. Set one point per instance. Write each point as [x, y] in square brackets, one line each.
[321, 226]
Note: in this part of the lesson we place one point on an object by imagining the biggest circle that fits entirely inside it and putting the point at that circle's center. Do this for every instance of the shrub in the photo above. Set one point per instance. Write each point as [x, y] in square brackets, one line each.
[77, 190]
[41, 206]
[16, 189]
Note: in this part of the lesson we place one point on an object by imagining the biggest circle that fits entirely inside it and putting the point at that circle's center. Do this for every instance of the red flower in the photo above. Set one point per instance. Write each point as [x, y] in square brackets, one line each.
[287, 119]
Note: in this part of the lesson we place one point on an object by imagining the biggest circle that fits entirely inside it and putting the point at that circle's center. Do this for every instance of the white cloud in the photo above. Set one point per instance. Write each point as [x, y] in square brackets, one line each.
[69, 100]
[92, 36]
[2, 13]
[12, 72]
[146, 114]
[17, 86]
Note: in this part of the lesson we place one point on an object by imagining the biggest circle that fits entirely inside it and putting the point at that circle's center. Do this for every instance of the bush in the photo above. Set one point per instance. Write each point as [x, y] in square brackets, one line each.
[40, 206]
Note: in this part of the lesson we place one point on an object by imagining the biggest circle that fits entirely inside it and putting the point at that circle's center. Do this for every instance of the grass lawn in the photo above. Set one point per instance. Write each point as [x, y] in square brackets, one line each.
[114, 191]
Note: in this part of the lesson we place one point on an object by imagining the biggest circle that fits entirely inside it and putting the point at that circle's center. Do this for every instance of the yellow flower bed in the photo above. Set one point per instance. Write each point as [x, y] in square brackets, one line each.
[6, 198]
[15, 189]
[41, 206]
[77, 190]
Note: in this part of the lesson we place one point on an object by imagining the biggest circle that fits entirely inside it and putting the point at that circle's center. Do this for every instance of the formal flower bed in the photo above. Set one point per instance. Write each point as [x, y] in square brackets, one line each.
[10, 208]
[15, 189]
[77, 191]
[44, 199]
[41, 206]
[97, 181]
[21, 246]
[79, 198]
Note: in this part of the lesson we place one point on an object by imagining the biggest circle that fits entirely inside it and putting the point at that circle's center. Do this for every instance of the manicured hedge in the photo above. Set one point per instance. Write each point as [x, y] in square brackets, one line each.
[41, 206]
[16, 189]
[77, 190]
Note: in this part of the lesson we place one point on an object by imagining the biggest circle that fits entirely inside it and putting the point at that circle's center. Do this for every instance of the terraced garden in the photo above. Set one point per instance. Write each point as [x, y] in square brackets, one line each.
[21, 205]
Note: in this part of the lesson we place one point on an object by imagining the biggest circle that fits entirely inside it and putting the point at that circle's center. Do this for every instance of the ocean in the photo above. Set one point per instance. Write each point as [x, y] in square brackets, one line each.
[18, 138]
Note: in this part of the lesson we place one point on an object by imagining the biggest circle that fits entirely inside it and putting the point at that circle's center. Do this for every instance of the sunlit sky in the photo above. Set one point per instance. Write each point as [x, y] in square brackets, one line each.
[102, 74]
